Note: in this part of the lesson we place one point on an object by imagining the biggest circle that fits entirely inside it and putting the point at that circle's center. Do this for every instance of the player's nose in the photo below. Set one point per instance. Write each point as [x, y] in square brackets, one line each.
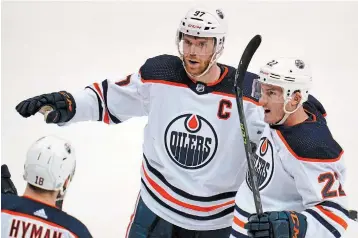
[262, 101]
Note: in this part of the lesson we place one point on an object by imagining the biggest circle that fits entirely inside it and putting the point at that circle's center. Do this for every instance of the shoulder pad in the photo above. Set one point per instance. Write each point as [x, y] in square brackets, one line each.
[163, 67]
[313, 105]
[228, 83]
[310, 141]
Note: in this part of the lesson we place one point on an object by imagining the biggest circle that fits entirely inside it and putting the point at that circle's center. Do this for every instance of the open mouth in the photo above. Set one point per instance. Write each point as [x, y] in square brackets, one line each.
[267, 111]
[193, 62]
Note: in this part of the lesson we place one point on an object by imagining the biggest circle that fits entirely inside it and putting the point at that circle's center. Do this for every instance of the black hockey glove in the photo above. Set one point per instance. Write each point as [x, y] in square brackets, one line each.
[7, 186]
[285, 224]
[62, 103]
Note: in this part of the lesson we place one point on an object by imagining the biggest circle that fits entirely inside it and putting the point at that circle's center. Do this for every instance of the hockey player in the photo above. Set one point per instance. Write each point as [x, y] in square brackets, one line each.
[191, 141]
[49, 169]
[299, 165]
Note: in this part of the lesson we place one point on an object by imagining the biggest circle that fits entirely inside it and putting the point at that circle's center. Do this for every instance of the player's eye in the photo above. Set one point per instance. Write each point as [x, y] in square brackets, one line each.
[187, 42]
[270, 93]
[202, 44]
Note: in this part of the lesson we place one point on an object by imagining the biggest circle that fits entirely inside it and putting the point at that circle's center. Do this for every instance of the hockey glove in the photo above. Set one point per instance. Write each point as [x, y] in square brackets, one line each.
[7, 186]
[287, 224]
[62, 103]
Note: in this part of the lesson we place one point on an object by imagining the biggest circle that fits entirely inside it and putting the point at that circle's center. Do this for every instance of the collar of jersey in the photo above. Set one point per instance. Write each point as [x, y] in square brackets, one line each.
[208, 86]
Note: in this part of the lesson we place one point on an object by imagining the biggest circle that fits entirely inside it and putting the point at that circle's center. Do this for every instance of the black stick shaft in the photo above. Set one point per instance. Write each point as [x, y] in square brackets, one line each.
[239, 80]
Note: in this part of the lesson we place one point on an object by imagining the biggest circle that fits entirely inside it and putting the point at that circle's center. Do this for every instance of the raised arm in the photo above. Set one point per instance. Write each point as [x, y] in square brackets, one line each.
[109, 101]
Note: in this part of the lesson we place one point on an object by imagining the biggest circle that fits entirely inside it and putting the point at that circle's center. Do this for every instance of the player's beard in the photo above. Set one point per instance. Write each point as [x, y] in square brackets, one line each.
[198, 68]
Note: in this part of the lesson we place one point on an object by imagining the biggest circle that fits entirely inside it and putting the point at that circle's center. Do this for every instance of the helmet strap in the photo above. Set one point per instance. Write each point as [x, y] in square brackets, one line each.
[287, 113]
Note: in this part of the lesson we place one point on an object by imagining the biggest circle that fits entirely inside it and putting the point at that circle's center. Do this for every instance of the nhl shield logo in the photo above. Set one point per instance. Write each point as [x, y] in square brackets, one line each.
[200, 88]
[300, 64]
[220, 13]
[190, 141]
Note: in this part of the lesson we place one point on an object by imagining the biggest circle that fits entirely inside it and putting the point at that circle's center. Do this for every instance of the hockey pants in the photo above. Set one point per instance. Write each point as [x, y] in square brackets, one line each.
[146, 224]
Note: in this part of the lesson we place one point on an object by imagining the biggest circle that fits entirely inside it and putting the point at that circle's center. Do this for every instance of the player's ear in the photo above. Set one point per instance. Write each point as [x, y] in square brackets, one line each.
[296, 98]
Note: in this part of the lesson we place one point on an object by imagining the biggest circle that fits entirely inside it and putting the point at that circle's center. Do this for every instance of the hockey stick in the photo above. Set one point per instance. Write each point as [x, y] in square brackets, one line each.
[239, 82]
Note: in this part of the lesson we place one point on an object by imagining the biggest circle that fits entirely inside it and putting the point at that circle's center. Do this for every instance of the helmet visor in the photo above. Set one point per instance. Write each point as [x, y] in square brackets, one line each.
[266, 92]
[201, 46]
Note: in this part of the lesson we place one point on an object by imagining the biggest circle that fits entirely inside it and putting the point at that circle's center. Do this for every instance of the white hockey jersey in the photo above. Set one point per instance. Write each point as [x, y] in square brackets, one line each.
[300, 169]
[193, 152]
[27, 218]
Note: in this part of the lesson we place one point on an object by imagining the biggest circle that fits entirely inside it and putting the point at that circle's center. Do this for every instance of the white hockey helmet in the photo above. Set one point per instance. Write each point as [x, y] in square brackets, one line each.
[203, 22]
[292, 75]
[50, 164]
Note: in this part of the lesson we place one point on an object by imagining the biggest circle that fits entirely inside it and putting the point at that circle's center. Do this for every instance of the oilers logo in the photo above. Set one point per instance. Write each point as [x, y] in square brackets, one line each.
[264, 164]
[190, 141]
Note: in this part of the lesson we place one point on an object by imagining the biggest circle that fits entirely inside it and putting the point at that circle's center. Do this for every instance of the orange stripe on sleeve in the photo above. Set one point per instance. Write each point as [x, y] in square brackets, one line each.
[238, 222]
[333, 216]
[106, 115]
[98, 89]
